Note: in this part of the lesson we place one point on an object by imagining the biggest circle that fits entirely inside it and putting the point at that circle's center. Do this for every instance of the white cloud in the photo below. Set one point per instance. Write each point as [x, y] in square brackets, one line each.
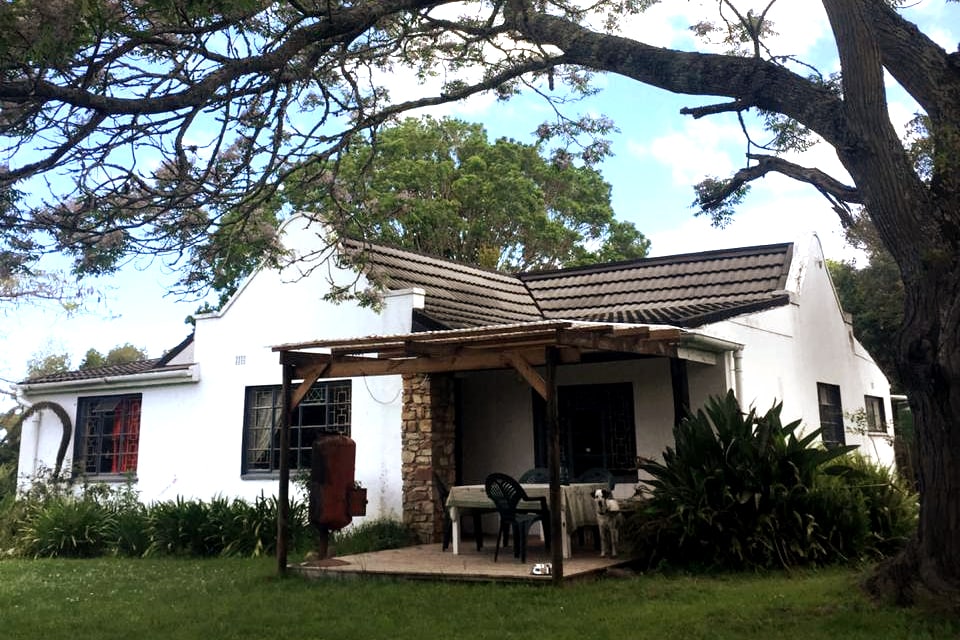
[700, 148]
[799, 26]
[766, 217]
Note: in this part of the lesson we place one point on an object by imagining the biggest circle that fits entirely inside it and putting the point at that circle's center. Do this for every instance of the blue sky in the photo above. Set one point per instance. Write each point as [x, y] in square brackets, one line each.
[658, 156]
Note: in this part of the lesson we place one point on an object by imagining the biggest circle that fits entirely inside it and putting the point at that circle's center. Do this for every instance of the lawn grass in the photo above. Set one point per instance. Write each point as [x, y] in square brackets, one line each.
[237, 598]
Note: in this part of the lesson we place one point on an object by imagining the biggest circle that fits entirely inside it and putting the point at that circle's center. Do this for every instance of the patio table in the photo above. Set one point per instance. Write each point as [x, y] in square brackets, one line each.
[576, 506]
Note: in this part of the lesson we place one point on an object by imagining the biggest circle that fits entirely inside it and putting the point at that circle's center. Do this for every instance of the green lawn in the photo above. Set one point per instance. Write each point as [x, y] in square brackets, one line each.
[233, 598]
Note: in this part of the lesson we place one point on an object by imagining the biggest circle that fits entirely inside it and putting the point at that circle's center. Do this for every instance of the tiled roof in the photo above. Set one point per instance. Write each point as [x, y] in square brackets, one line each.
[127, 369]
[458, 295]
[684, 290]
[114, 370]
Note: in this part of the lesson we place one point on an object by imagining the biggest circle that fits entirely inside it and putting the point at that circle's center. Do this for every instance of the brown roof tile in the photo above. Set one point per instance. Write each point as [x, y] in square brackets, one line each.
[126, 369]
[114, 370]
[458, 295]
[687, 290]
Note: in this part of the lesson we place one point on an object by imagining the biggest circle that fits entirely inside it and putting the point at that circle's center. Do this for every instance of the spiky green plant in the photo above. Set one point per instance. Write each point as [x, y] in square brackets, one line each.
[732, 491]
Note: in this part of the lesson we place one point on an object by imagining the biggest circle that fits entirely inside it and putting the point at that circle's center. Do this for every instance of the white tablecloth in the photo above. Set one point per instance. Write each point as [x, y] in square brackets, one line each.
[576, 501]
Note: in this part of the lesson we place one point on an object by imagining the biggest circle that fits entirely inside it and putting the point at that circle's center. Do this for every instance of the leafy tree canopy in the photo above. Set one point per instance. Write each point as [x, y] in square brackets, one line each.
[43, 364]
[440, 187]
[9, 437]
[121, 354]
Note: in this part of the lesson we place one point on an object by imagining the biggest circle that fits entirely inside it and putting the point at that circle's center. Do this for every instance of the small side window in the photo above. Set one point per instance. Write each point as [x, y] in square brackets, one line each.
[876, 417]
[831, 414]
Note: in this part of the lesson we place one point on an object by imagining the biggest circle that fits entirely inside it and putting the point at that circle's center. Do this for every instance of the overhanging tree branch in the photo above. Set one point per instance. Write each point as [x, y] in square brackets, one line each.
[871, 150]
[750, 81]
[840, 195]
[917, 62]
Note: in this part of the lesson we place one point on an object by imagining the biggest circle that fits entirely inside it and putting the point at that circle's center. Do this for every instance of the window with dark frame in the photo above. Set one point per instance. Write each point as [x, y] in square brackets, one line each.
[831, 414]
[325, 410]
[597, 429]
[107, 438]
[876, 416]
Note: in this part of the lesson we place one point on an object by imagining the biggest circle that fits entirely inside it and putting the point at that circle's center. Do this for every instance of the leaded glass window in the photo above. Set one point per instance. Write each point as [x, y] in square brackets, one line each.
[108, 435]
[326, 409]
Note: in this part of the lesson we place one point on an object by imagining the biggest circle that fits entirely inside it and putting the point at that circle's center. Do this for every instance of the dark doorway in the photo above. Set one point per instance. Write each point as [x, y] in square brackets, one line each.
[597, 429]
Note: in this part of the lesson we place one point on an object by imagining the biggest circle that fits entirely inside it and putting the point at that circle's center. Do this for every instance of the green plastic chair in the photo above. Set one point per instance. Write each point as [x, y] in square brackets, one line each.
[506, 494]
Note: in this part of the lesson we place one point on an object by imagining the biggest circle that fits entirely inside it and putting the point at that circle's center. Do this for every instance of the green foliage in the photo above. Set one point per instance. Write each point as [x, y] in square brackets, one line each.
[71, 527]
[440, 187]
[121, 354]
[373, 535]
[220, 527]
[719, 199]
[891, 505]
[57, 519]
[9, 453]
[65, 520]
[736, 491]
[43, 364]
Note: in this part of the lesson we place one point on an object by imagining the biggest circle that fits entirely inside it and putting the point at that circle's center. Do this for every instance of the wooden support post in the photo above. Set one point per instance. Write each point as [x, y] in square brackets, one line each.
[553, 439]
[283, 492]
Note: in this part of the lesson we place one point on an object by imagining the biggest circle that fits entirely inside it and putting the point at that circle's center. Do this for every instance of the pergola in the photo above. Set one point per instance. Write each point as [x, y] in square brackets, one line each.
[522, 347]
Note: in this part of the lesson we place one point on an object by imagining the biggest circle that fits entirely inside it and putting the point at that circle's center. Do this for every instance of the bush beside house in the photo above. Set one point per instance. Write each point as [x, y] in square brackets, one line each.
[741, 491]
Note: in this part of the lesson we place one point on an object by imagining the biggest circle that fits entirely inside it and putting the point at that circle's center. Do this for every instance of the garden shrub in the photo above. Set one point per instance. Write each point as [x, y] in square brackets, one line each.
[67, 526]
[221, 527]
[891, 506]
[60, 518]
[734, 492]
[9, 509]
[372, 535]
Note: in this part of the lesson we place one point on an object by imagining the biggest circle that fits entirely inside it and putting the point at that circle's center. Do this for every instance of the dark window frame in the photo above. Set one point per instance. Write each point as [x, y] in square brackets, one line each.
[107, 435]
[613, 446]
[327, 408]
[877, 418]
[833, 432]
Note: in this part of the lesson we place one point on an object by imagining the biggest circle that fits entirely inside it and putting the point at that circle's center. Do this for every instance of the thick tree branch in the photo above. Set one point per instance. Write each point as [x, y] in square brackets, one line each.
[713, 109]
[872, 151]
[839, 194]
[750, 81]
[924, 69]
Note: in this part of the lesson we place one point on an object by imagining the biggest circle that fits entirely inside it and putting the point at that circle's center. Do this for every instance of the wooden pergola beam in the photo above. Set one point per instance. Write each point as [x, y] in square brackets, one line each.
[344, 366]
[525, 369]
[460, 336]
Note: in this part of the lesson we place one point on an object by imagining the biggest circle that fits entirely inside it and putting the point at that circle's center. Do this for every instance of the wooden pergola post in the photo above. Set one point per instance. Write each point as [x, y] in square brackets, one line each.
[553, 439]
[283, 493]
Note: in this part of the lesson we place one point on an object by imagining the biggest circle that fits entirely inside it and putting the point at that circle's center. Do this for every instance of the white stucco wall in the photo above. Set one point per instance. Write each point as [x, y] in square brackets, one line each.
[191, 434]
[789, 349]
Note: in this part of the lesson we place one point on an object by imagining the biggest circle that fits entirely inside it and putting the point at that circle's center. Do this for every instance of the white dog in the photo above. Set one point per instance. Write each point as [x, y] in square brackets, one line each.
[609, 519]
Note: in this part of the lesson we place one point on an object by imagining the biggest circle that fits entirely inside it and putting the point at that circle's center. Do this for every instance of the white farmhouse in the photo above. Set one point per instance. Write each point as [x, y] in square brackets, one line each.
[638, 343]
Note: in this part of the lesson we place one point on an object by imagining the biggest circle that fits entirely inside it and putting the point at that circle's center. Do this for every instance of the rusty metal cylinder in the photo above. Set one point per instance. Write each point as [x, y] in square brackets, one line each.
[331, 481]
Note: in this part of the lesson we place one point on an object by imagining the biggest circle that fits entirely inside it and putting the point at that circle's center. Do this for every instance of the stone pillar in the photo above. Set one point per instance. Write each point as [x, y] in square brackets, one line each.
[427, 447]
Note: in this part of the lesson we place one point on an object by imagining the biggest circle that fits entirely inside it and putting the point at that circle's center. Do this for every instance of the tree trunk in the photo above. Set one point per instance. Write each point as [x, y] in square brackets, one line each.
[930, 369]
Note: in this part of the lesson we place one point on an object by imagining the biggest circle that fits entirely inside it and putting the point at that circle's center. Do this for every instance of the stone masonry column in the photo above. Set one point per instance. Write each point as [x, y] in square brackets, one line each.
[427, 445]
